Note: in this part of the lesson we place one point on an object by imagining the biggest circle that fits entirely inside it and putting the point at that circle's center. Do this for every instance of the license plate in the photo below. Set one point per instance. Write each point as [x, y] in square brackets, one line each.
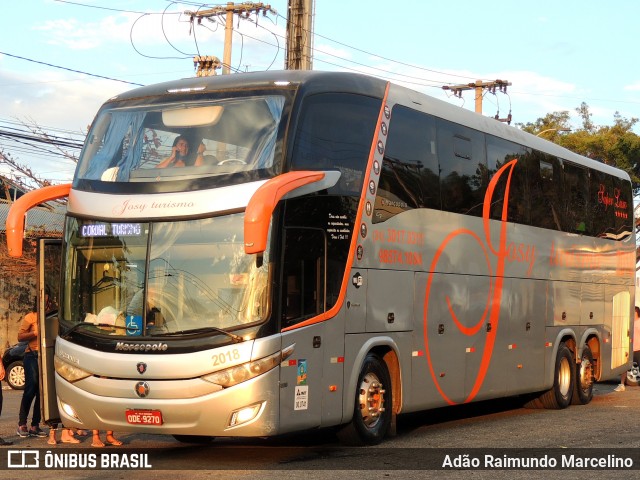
[144, 417]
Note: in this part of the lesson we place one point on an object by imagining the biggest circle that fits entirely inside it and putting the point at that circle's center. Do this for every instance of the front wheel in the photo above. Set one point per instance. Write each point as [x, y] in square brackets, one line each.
[372, 411]
[583, 391]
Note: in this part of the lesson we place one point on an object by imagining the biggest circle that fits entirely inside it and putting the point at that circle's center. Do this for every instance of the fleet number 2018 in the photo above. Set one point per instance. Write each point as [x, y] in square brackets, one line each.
[225, 357]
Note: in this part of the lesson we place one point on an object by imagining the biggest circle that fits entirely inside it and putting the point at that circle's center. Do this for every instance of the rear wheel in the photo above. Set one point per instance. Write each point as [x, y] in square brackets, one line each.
[372, 411]
[559, 396]
[583, 390]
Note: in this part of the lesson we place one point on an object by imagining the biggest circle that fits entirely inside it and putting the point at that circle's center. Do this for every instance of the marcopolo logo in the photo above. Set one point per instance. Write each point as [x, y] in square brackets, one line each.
[141, 347]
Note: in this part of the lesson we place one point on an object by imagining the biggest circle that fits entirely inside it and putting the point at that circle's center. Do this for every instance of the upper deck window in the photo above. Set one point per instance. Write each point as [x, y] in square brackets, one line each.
[182, 140]
[335, 131]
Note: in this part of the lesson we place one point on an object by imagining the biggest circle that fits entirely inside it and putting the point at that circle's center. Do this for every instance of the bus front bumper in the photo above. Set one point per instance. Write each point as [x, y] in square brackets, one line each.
[247, 409]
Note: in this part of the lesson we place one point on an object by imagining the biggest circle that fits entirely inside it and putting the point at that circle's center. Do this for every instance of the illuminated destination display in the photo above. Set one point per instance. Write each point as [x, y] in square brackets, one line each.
[111, 230]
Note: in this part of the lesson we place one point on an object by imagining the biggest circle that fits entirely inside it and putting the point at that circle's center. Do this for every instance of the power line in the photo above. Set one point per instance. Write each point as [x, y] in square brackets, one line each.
[380, 56]
[99, 7]
[43, 127]
[70, 69]
[56, 141]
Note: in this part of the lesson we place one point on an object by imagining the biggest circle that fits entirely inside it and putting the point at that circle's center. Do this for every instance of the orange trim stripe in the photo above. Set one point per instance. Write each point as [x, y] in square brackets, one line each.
[332, 312]
[15, 218]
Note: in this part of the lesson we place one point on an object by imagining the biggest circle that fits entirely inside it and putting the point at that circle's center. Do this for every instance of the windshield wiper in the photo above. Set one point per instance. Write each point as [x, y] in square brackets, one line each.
[195, 331]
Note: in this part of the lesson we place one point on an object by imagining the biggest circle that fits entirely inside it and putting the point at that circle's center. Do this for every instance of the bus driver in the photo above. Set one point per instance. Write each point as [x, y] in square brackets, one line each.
[180, 153]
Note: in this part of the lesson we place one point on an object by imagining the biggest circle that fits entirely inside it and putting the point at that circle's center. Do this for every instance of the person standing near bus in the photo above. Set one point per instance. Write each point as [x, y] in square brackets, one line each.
[29, 332]
[3, 442]
[636, 349]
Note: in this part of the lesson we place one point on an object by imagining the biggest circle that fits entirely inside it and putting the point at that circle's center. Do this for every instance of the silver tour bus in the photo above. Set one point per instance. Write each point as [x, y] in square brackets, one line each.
[260, 253]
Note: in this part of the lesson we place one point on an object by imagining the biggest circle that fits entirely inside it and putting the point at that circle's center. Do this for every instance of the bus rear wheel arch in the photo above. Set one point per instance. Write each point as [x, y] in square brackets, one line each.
[373, 404]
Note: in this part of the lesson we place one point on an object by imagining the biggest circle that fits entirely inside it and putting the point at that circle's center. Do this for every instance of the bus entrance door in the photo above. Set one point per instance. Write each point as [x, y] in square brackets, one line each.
[49, 257]
[309, 378]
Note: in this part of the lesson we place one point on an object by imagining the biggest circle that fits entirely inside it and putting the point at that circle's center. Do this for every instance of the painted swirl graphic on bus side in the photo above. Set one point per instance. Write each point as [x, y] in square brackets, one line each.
[491, 311]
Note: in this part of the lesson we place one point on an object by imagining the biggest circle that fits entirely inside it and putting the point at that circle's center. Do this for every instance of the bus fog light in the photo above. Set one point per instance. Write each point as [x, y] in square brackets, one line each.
[69, 410]
[245, 414]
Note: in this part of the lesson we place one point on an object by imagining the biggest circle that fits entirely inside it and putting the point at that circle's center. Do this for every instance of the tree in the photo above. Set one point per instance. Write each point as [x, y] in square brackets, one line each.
[616, 145]
[553, 122]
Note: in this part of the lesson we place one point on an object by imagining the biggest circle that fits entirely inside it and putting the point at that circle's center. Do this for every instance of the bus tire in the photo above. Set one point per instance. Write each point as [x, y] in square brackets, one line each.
[198, 439]
[583, 390]
[373, 409]
[559, 396]
[633, 375]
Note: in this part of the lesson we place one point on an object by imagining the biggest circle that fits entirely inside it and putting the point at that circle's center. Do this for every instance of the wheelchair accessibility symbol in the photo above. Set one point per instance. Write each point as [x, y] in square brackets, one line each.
[134, 325]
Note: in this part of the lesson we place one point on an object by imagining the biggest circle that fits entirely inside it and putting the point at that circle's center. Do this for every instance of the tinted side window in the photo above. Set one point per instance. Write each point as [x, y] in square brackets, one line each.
[303, 282]
[602, 212]
[544, 175]
[576, 195]
[500, 152]
[335, 131]
[623, 204]
[463, 168]
[409, 177]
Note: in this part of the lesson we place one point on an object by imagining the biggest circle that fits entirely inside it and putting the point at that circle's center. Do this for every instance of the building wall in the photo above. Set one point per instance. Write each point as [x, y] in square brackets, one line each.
[17, 290]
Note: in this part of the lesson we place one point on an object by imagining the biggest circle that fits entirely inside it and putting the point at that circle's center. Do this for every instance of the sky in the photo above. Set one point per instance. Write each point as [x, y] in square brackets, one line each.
[60, 60]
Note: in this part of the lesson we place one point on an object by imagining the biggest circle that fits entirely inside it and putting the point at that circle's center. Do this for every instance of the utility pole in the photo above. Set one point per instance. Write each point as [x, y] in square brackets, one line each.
[228, 11]
[298, 55]
[479, 87]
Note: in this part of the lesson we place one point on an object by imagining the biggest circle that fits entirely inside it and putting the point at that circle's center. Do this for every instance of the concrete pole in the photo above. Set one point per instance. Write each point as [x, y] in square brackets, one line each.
[479, 96]
[228, 38]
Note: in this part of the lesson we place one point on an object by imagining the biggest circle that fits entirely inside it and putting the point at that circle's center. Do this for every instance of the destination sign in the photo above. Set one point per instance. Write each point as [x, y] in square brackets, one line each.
[111, 230]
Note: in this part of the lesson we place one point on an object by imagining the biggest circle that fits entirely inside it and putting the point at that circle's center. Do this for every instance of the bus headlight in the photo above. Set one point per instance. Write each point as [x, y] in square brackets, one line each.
[69, 372]
[241, 373]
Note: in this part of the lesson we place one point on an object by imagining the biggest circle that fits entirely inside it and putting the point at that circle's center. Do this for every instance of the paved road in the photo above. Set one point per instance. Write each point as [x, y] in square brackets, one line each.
[609, 423]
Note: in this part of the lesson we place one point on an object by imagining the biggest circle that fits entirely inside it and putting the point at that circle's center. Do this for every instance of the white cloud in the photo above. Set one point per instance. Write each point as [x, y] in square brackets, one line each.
[144, 29]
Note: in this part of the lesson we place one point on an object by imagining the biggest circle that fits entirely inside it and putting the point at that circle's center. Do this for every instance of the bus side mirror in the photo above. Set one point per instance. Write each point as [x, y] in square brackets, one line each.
[16, 220]
[262, 204]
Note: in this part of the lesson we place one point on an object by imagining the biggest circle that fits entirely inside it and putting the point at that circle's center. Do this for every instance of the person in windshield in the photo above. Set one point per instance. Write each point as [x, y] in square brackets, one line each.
[179, 154]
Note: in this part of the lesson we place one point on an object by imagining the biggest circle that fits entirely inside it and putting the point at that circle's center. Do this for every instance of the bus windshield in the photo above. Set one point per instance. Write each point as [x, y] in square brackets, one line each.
[132, 279]
[205, 138]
